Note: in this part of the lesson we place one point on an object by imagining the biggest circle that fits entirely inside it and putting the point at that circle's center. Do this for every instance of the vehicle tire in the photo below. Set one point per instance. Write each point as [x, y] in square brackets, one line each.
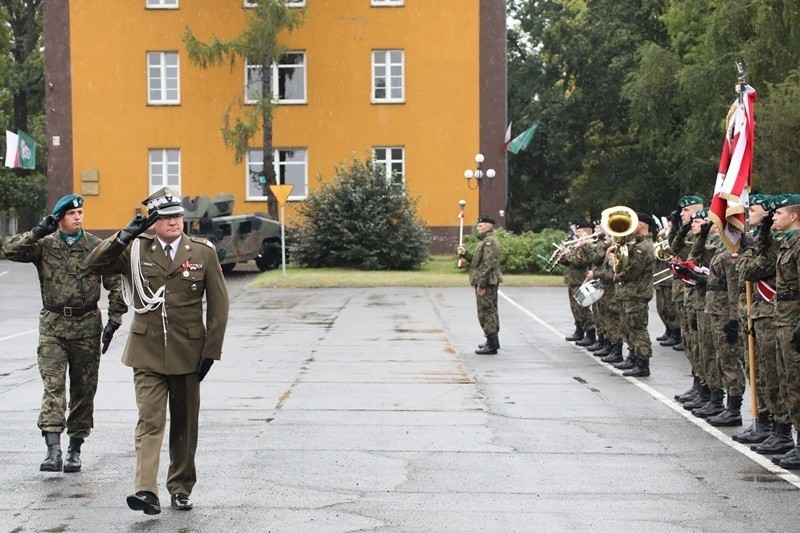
[270, 256]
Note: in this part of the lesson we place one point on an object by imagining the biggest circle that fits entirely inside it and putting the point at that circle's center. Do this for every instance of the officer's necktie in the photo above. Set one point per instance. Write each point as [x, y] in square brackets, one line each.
[168, 251]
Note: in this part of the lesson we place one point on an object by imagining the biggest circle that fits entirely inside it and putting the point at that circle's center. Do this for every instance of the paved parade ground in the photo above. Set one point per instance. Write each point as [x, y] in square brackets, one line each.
[367, 410]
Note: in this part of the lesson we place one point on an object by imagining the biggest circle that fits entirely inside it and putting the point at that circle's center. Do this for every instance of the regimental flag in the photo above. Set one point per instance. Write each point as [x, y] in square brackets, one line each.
[521, 141]
[734, 176]
[766, 291]
[20, 150]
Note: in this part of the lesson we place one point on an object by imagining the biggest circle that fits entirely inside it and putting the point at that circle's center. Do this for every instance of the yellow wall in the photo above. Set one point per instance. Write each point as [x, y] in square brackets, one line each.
[113, 127]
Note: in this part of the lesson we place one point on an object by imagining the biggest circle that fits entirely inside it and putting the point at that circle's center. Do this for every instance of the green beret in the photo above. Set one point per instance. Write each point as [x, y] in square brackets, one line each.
[68, 202]
[760, 199]
[689, 200]
[785, 200]
[700, 213]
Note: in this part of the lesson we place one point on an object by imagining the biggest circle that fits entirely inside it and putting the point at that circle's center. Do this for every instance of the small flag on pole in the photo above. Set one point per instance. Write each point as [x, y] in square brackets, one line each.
[20, 150]
[521, 141]
[508, 136]
[12, 147]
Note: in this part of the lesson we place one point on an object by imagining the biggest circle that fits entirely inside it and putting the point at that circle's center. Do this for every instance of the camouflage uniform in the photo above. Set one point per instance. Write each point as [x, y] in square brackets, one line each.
[578, 262]
[601, 314]
[701, 255]
[635, 290]
[665, 302]
[610, 305]
[683, 296]
[787, 317]
[69, 326]
[484, 273]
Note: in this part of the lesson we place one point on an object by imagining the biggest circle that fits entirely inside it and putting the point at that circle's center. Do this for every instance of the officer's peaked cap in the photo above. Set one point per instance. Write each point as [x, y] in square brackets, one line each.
[165, 201]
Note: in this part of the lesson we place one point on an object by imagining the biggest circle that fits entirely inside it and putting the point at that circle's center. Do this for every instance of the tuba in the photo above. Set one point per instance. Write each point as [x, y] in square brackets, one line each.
[619, 222]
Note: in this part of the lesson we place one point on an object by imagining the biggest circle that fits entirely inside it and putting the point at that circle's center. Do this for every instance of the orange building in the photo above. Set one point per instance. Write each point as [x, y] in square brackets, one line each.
[418, 85]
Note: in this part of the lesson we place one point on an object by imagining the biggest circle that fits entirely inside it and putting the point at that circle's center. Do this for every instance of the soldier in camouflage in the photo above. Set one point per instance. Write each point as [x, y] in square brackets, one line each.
[578, 258]
[70, 325]
[485, 276]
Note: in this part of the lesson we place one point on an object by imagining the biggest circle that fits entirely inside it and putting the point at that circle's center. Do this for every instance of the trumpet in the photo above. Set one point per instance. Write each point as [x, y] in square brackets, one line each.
[619, 222]
[566, 245]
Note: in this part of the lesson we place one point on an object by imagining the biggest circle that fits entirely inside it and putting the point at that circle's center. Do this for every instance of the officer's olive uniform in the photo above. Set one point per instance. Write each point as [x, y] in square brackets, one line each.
[484, 273]
[69, 326]
[165, 363]
[635, 290]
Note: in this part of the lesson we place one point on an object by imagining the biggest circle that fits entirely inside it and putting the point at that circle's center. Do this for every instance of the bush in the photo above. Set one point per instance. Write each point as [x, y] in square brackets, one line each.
[360, 220]
[527, 252]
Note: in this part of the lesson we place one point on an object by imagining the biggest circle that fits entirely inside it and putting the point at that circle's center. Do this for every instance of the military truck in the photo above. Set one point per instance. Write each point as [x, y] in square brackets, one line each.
[237, 238]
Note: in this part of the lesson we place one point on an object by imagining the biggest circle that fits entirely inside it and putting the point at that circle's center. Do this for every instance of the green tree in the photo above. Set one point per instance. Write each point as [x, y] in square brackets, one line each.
[258, 44]
[360, 220]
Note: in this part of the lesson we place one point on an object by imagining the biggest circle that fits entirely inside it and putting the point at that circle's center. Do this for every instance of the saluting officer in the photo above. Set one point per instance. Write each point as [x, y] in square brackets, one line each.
[170, 347]
[69, 325]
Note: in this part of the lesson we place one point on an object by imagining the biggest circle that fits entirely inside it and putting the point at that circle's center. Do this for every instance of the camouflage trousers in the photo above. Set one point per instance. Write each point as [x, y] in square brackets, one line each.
[487, 310]
[707, 351]
[729, 357]
[789, 359]
[665, 305]
[581, 315]
[688, 321]
[80, 359]
[610, 316]
[768, 370]
[635, 315]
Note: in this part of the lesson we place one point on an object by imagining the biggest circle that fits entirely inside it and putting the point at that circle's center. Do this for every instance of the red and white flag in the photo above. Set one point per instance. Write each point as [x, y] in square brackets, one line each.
[766, 291]
[734, 176]
[508, 136]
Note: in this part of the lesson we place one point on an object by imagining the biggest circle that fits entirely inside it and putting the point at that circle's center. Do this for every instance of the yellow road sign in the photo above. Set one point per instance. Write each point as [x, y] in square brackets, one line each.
[281, 192]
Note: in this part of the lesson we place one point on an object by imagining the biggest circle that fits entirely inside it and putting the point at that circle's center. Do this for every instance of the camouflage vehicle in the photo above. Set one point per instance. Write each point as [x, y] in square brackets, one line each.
[237, 238]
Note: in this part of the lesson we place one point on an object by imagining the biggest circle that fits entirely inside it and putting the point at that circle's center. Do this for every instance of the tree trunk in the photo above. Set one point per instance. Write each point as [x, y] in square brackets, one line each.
[266, 124]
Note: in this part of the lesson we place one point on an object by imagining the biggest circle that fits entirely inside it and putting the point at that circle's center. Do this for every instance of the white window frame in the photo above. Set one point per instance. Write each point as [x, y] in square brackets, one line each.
[289, 3]
[387, 162]
[387, 66]
[163, 77]
[386, 3]
[252, 167]
[275, 77]
[162, 168]
[161, 4]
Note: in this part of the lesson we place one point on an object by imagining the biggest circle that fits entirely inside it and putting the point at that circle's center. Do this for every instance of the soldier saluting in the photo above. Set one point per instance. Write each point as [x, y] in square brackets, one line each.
[69, 325]
[171, 347]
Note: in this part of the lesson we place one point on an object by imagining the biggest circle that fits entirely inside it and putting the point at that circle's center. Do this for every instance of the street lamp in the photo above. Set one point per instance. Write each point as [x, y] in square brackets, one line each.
[479, 174]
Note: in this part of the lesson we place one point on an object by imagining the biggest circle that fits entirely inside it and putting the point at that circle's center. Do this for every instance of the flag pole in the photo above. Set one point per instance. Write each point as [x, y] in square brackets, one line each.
[741, 85]
[461, 204]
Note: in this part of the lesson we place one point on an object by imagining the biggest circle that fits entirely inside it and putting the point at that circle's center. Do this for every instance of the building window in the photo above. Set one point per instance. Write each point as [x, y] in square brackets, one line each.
[288, 80]
[161, 4]
[392, 161]
[387, 76]
[165, 169]
[291, 168]
[386, 3]
[163, 81]
[289, 3]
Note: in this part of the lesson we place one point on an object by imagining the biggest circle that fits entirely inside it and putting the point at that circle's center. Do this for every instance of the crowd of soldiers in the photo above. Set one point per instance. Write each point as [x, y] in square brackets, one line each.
[722, 308]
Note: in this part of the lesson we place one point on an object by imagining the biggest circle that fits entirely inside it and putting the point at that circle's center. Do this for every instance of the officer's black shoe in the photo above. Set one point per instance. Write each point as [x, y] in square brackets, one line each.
[607, 348]
[628, 363]
[714, 406]
[640, 370]
[144, 501]
[758, 432]
[691, 393]
[673, 339]
[72, 463]
[731, 416]
[576, 336]
[53, 462]
[779, 442]
[667, 334]
[678, 347]
[791, 461]
[615, 356]
[700, 401]
[588, 340]
[491, 346]
[180, 501]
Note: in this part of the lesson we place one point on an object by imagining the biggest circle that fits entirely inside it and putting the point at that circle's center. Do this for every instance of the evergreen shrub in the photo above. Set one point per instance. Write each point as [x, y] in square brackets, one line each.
[523, 253]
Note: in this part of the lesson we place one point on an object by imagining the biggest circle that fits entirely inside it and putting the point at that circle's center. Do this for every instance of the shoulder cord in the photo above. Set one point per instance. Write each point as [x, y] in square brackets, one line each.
[149, 299]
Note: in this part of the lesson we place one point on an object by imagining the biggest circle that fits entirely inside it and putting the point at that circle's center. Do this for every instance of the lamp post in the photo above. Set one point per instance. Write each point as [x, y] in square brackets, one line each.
[478, 175]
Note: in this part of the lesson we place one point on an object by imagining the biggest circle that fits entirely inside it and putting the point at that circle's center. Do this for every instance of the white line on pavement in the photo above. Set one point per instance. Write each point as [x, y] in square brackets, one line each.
[675, 406]
[18, 335]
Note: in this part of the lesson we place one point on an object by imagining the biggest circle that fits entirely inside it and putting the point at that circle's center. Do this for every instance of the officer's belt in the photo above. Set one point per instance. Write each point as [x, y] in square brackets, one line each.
[71, 311]
[716, 288]
[787, 296]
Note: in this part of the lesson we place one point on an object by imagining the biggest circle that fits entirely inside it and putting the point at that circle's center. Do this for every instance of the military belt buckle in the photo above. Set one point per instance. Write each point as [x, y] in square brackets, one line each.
[68, 311]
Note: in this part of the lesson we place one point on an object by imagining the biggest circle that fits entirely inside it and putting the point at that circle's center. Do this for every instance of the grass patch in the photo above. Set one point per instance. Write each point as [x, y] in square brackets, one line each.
[439, 271]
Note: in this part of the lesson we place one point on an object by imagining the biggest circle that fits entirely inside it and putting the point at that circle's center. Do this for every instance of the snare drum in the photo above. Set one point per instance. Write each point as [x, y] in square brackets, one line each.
[589, 293]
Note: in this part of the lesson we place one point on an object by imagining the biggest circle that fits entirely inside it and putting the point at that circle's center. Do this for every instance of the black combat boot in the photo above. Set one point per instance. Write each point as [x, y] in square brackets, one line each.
[791, 461]
[588, 340]
[629, 361]
[678, 347]
[615, 356]
[598, 344]
[779, 442]
[72, 463]
[701, 400]
[714, 406]
[640, 370]
[576, 336]
[690, 394]
[673, 339]
[664, 336]
[605, 350]
[490, 348]
[758, 432]
[52, 463]
[731, 416]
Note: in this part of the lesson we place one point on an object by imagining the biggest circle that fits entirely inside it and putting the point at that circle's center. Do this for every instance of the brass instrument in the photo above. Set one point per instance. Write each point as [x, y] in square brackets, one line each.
[662, 249]
[566, 245]
[661, 276]
[619, 222]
